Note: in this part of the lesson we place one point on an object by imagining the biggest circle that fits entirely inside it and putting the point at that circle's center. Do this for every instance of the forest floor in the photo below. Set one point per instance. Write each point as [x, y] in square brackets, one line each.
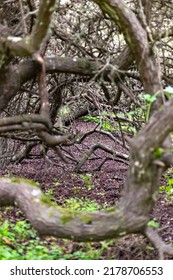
[103, 187]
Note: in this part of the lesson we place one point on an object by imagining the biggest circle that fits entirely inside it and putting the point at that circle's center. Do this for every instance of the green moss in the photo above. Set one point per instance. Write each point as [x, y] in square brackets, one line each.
[26, 181]
[86, 218]
[128, 38]
[67, 217]
[110, 210]
[158, 152]
[123, 233]
[45, 199]
[110, 11]
[51, 213]
[2, 179]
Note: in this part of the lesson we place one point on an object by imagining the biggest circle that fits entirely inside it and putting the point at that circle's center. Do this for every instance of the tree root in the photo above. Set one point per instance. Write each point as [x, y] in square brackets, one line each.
[155, 239]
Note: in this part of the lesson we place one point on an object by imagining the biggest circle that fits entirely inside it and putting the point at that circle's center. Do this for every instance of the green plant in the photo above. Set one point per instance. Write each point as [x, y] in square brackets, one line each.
[56, 182]
[64, 110]
[87, 180]
[104, 123]
[20, 242]
[149, 99]
[167, 189]
[89, 118]
[108, 123]
[81, 204]
[76, 190]
[87, 251]
[50, 190]
[153, 223]
[107, 126]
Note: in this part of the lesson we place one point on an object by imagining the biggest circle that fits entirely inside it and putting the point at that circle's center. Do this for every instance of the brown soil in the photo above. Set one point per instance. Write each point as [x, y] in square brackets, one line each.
[54, 175]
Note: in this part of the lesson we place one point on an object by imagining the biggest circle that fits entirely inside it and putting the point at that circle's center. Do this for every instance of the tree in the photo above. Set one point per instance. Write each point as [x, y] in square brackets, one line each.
[93, 62]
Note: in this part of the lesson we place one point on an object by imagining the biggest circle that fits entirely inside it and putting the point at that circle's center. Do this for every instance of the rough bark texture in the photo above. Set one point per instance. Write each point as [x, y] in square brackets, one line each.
[130, 216]
[145, 168]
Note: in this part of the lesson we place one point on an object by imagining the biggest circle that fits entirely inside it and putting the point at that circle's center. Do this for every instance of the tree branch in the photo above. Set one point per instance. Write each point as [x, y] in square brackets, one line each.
[31, 43]
[52, 220]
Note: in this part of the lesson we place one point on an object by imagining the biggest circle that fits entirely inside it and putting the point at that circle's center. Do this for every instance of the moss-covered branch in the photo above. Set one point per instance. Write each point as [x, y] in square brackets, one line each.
[49, 219]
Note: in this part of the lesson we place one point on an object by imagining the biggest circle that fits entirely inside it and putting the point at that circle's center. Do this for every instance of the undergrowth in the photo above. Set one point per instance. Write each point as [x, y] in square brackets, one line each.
[19, 241]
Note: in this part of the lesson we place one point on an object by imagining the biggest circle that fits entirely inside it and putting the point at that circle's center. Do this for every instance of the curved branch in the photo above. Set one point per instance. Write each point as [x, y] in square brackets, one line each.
[144, 174]
[139, 43]
[134, 33]
[51, 220]
[31, 43]
[28, 118]
[16, 76]
[131, 214]
[158, 243]
[102, 147]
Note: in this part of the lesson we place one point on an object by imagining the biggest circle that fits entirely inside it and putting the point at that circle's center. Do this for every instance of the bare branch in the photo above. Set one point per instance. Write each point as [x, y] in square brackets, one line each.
[31, 43]
[158, 243]
[102, 147]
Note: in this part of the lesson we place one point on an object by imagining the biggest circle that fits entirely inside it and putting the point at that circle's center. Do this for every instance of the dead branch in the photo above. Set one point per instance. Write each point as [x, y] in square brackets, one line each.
[43, 92]
[155, 239]
[22, 119]
[30, 44]
[102, 147]
[54, 140]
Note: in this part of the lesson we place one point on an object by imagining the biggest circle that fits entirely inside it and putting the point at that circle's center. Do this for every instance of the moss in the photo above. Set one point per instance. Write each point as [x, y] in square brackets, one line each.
[86, 218]
[158, 152]
[67, 217]
[128, 38]
[2, 179]
[123, 233]
[110, 210]
[105, 7]
[51, 213]
[26, 181]
[45, 199]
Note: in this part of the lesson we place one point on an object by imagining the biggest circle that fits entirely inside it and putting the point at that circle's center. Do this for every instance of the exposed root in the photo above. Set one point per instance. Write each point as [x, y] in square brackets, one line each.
[155, 239]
